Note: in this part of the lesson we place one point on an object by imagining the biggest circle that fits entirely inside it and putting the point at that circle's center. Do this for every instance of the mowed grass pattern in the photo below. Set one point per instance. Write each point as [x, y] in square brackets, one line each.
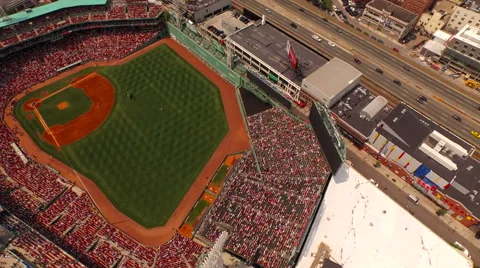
[151, 149]
[78, 104]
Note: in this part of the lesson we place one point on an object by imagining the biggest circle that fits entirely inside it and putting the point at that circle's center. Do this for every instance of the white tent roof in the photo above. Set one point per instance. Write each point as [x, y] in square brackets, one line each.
[363, 227]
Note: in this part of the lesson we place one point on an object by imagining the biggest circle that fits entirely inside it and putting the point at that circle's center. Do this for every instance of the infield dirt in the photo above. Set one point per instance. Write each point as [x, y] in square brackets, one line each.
[236, 140]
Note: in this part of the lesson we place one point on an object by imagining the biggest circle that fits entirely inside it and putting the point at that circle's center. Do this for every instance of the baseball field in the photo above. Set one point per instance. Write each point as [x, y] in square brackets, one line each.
[142, 131]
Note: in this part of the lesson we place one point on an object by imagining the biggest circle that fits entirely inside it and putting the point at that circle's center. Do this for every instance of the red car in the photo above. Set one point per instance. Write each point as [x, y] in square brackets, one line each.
[395, 49]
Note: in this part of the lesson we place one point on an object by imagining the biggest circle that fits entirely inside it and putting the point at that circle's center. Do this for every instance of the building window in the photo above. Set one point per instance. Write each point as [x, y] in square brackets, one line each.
[477, 24]
[455, 16]
[465, 46]
[459, 23]
[454, 47]
[462, 19]
[456, 42]
[471, 54]
[463, 51]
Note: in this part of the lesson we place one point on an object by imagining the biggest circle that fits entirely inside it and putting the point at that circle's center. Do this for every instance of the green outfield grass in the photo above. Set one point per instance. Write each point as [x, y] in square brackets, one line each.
[220, 175]
[196, 211]
[78, 104]
[151, 148]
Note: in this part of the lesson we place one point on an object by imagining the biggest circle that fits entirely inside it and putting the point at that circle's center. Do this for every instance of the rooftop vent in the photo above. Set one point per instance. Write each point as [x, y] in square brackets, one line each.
[469, 168]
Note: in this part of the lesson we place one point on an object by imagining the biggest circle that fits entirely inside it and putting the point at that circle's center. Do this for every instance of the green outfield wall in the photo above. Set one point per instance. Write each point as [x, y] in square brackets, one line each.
[206, 57]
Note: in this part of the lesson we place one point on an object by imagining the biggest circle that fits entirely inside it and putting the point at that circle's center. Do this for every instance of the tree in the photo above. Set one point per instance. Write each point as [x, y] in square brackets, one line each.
[328, 5]
[441, 212]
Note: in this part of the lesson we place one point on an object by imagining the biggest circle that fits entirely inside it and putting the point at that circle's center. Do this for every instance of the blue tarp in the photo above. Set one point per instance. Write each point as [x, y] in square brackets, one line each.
[421, 171]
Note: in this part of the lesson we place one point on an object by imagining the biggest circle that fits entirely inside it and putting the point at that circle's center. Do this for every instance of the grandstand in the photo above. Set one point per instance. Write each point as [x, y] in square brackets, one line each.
[268, 201]
[53, 21]
[33, 195]
[270, 197]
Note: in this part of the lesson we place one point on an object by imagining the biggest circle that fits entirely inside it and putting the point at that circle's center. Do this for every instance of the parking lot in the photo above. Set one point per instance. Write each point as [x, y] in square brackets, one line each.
[225, 24]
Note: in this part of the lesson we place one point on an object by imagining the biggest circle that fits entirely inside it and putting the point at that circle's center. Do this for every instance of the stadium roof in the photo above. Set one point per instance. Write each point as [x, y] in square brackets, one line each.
[48, 8]
[363, 227]
[269, 45]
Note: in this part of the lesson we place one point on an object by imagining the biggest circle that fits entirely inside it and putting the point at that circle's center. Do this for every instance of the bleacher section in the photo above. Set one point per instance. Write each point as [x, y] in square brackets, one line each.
[268, 210]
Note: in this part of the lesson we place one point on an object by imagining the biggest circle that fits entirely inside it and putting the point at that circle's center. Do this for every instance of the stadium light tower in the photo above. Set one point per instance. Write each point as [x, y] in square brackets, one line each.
[214, 256]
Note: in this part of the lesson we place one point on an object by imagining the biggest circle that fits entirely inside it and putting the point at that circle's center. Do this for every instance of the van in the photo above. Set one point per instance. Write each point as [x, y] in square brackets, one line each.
[414, 199]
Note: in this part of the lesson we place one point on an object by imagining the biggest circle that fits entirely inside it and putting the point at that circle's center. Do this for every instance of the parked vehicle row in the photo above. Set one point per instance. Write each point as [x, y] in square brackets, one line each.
[216, 31]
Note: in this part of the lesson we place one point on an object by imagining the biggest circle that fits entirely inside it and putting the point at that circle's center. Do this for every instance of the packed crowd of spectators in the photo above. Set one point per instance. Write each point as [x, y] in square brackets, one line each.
[57, 222]
[115, 10]
[266, 210]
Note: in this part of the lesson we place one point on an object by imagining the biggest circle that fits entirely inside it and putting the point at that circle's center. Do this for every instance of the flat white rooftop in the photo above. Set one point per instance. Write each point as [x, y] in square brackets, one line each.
[363, 227]
[469, 35]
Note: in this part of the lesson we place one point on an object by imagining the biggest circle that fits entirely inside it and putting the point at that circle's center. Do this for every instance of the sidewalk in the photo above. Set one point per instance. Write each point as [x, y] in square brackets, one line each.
[408, 189]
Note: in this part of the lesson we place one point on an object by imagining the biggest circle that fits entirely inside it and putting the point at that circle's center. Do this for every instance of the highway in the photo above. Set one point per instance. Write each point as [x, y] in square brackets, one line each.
[414, 82]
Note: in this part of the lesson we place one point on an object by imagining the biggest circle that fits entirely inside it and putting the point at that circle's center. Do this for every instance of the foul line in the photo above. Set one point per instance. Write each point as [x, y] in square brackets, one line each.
[65, 87]
[45, 126]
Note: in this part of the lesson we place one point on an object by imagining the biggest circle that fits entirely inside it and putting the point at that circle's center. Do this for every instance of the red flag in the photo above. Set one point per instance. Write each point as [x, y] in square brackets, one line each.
[291, 56]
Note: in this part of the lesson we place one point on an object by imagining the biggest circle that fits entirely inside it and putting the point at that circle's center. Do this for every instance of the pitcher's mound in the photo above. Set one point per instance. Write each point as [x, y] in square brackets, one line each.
[62, 105]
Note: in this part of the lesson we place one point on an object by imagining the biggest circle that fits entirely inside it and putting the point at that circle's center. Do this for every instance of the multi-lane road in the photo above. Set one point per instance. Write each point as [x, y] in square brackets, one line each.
[443, 101]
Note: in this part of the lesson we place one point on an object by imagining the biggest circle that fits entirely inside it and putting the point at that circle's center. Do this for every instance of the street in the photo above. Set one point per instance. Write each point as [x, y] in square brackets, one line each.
[442, 102]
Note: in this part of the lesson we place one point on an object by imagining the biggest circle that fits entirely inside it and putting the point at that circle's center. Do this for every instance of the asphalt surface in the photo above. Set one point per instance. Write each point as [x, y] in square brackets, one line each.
[387, 186]
[414, 82]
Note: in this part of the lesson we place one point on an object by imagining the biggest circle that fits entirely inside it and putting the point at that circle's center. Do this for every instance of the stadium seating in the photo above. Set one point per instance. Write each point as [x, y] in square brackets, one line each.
[121, 10]
[48, 203]
[268, 210]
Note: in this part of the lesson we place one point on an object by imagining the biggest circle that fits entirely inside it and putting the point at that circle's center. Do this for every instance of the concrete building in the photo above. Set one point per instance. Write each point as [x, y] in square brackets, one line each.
[389, 18]
[462, 50]
[262, 48]
[433, 21]
[201, 10]
[330, 82]
[460, 18]
[436, 46]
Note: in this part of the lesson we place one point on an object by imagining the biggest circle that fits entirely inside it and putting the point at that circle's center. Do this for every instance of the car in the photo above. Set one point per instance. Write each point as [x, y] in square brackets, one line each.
[365, 33]
[268, 11]
[373, 37]
[339, 31]
[395, 49]
[420, 100]
[330, 43]
[477, 235]
[475, 133]
[380, 41]
[358, 29]
[325, 19]
[406, 68]
[293, 25]
[374, 182]
[378, 70]
[357, 61]
[316, 37]
[423, 98]
[397, 82]
[456, 117]
[301, 10]
[478, 108]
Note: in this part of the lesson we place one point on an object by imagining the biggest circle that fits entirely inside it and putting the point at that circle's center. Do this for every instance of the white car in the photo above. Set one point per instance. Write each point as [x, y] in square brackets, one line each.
[316, 37]
[374, 182]
[330, 43]
[268, 11]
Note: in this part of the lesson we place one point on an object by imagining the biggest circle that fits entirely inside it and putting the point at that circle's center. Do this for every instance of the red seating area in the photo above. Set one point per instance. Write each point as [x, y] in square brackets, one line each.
[268, 209]
[72, 220]
[138, 11]
[44, 251]
[43, 25]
